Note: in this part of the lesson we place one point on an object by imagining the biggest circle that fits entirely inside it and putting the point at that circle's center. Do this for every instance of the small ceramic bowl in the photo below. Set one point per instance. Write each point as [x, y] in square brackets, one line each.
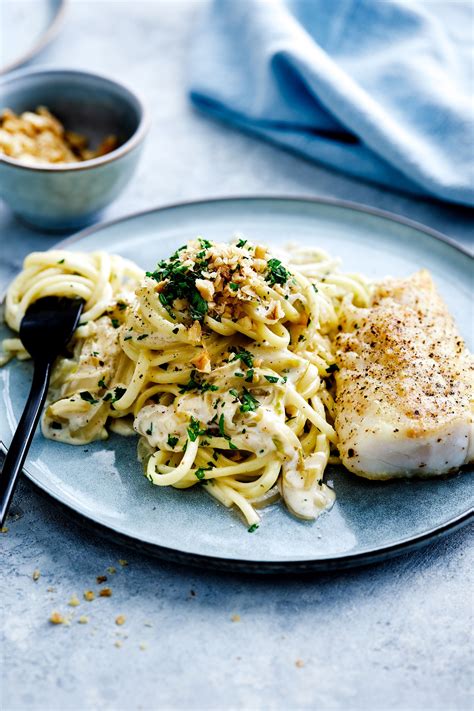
[62, 197]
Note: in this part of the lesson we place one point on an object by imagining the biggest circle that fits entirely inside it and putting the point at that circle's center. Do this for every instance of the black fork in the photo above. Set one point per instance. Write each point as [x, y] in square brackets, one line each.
[45, 330]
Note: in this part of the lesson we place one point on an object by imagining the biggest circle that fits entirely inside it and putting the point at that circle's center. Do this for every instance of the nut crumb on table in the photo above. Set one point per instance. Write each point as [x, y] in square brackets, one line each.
[36, 574]
[57, 619]
[120, 620]
[89, 595]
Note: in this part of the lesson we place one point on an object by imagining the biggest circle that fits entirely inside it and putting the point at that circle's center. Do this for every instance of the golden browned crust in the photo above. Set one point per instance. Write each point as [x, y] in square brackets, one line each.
[402, 363]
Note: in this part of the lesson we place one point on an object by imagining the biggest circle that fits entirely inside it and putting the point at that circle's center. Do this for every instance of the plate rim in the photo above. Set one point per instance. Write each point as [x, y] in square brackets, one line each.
[45, 37]
[332, 562]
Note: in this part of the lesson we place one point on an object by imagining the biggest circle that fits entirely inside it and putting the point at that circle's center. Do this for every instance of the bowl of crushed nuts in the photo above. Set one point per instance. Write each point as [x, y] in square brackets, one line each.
[69, 143]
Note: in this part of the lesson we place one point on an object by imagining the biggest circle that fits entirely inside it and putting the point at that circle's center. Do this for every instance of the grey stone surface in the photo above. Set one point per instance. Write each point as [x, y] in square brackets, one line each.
[394, 636]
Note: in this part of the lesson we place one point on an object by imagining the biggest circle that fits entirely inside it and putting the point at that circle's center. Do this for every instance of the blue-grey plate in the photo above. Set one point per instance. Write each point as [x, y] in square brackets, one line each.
[103, 482]
[26, 28]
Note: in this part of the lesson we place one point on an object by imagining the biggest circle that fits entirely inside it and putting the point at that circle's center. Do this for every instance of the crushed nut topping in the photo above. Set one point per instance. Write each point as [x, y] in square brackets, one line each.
[39, 137]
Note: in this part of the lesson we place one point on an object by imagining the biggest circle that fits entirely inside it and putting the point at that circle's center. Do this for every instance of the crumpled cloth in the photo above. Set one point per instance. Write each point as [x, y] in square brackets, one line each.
[381, 89]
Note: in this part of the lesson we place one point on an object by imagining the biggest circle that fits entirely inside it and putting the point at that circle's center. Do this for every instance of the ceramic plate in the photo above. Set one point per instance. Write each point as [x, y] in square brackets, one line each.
[27, 27]
[103, 482]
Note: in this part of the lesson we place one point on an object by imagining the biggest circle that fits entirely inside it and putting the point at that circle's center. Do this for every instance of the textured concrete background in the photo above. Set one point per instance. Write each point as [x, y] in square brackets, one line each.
[394, 636]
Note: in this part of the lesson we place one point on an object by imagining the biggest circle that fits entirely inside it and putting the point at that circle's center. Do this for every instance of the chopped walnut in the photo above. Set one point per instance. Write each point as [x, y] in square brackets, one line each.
[195, 333]
[39, 137]
[205, 288]
[202, 362]
[57, 619]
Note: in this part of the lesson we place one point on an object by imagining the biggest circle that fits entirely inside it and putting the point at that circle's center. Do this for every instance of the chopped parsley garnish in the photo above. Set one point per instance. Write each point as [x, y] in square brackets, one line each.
[332, 368]
[194, 429]
[143, 335]
[234, 392]
[122, 305]
[149, 431]
[95, 353]
[195, 383]
[233, 286]
[271, 378]
[277, 274]
[61, 261]
[222, 426]
[172, 441]
[245, 356]
[115, 322]
[56, 425]
[117, 394]
[315, 288]
[85, 395]
[249, 376]
[204, 243]
[200, 473]
[101, 383]
[175, 330]
[181, 283]
[252, 528]
[127, 338]
[239, 375]
[249, 403]
[241, 243]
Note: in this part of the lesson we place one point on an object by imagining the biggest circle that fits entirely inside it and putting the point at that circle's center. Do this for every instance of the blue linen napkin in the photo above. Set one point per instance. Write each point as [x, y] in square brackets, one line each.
[381, 89]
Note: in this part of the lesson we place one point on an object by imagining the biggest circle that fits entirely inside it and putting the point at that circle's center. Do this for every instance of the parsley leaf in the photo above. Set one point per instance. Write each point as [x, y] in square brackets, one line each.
[222, 426]
[332, 368]
[277, 274]
[249, 403]
[115, 322]
[243, 355]
[172, 441]
[85, 395]
[252, 528]
[194, 429]
[196, 384]
[101, 383]
[241, 243]
[271, 378]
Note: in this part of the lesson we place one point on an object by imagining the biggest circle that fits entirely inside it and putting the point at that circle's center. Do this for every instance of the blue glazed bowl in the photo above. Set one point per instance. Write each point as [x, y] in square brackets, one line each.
[64, 197]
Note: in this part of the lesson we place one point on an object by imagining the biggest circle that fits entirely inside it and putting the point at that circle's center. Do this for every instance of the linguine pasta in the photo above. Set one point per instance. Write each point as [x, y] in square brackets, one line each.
[221, 360]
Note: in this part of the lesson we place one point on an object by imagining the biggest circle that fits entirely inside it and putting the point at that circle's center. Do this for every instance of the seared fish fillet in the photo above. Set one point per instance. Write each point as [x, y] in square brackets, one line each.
[404, 385]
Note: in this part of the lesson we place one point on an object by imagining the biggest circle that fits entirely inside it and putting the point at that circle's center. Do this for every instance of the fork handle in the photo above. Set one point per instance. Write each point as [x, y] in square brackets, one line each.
[24, 434]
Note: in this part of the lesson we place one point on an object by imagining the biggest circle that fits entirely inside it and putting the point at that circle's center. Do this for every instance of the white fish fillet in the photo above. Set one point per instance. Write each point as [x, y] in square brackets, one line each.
[404, 386]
